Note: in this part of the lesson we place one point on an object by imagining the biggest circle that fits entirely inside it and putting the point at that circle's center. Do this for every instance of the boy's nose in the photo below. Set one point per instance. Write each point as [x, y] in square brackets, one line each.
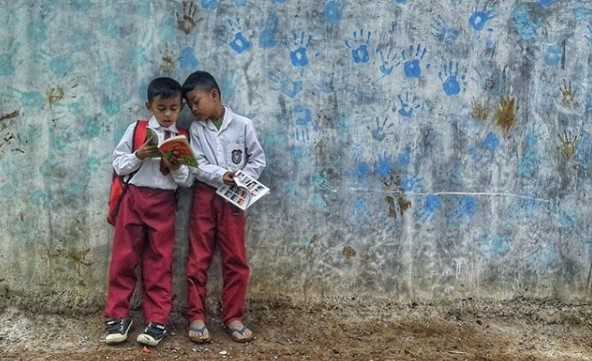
[167, 113]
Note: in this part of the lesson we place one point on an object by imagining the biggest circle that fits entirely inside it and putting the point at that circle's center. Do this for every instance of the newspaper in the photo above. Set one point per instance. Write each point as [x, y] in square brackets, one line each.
[245, 192]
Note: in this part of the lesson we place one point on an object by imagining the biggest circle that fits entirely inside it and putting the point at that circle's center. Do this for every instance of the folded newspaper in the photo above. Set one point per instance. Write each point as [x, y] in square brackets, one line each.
[244, 192]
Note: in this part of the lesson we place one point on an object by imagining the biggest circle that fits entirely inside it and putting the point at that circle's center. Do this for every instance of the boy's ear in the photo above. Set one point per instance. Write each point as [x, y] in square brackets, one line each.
[215, 94]
[148, 105]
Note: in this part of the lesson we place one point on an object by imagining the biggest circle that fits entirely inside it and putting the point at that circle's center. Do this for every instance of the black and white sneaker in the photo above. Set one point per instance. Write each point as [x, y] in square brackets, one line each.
[117, 330]
[152, 335]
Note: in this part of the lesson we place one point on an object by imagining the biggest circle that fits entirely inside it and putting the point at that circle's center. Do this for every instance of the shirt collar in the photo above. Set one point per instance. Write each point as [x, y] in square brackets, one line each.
[154, 124]
[228, 115]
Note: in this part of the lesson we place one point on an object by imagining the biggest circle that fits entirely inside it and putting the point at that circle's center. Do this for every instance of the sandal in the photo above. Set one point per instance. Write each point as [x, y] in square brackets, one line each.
[238, 334]
[203, 337]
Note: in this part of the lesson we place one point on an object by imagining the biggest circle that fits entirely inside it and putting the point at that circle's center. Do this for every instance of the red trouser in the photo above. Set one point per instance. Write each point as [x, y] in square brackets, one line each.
[144, 235]
[215, 222]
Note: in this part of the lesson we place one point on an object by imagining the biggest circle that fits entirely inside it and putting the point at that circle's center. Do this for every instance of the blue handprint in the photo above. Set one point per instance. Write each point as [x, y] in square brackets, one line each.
[405, 157]
[333, 11]
[209, 4]
[443, 32]
[380, 131]
[546, 3]
[359, 47]
[285, 84]
[484, 153]
[494, 245]
[384, 165]
[479, 18]
[465, 209]
[412, 184]
[187, 59]
[298, 56]
[450, 77]
[491, 142]
[303, 122]
[588, 107]
[360, 209]
[239, 43]
[362, 170]
[589, 35]
[267, 38]
[388, 60]
[431, 206]
[409, 105]
[412, 58]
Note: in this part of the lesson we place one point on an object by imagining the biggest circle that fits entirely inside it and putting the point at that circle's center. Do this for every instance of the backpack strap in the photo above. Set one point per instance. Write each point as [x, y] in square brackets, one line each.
[138, 138]
[140, 132]
[119, 184]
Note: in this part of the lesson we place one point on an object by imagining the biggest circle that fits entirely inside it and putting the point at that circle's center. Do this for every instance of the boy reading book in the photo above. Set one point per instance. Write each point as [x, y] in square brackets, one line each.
[145, 221]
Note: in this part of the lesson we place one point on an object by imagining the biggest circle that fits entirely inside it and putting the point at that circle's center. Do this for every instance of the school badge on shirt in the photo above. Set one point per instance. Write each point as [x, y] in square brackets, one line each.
[237, 156]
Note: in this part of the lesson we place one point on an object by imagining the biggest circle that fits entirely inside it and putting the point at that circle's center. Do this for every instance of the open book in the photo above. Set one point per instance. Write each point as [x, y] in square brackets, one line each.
[176, 146]
[244, 192]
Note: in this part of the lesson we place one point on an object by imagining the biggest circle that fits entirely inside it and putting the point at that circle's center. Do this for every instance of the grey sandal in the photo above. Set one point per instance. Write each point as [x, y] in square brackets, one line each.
[204, 334]
[233, 332]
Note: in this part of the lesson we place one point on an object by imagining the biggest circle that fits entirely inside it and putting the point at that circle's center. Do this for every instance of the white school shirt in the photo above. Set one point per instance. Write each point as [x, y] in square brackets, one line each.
[148, 174]
[232, 147]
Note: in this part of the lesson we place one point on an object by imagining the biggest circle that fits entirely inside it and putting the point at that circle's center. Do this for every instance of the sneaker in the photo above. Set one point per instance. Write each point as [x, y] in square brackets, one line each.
[117, 330]
[152, 335]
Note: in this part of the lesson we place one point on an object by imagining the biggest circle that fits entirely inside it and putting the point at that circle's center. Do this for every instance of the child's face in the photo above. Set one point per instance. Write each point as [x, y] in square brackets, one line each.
[166, 111]
[204, 104]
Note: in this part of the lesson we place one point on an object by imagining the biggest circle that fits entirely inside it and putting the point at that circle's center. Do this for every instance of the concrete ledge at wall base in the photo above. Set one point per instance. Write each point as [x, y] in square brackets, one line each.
[365, 306]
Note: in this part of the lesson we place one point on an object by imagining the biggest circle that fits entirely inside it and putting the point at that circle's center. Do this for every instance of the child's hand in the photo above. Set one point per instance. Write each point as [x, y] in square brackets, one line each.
[174, 157]
[146, 151]
[172, 164]
[228, 178]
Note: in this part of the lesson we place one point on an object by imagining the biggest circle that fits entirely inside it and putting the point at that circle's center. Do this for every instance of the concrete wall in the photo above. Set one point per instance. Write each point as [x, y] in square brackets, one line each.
[419, 150]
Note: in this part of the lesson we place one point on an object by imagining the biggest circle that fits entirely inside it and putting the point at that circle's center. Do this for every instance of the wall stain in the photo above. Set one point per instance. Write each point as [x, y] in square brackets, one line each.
[168, 64]
[506, 114]
[479, 110]
[54, 96]
[396, 199]
[348, 252]
[567, 145]
[11, 115]
[186, 22]
[568, 97]
[76, 256]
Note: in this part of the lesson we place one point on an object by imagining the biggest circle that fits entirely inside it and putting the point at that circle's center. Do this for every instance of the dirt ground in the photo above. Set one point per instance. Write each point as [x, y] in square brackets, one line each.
[465, 330]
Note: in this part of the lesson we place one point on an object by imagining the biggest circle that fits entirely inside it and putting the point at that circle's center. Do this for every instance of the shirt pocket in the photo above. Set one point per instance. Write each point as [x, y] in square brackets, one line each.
[236, 155]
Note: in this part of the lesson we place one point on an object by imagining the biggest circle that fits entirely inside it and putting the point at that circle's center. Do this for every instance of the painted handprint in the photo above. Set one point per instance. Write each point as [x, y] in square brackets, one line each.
[298, 53]
[412, 58]
[451, 77]
[409, 105]
[239, 43]
[359, 46]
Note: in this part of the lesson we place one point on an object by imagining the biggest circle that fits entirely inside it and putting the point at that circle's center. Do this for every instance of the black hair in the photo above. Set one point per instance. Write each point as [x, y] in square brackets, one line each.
[200, 80]
[164, 88]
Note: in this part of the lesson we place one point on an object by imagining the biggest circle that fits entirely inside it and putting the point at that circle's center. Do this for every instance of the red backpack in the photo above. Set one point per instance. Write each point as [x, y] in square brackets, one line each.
[119, 185]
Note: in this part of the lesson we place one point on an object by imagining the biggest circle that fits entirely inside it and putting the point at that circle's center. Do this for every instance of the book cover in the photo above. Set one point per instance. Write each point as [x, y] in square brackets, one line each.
[178, 147]
[151, 137]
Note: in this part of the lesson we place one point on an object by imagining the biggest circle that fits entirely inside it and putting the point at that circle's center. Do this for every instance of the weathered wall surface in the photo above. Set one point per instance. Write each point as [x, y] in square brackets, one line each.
[421, 150]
